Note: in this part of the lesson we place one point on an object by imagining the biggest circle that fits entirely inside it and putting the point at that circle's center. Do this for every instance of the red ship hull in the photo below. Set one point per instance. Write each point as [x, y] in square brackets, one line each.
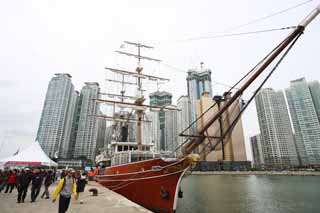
[153, 184]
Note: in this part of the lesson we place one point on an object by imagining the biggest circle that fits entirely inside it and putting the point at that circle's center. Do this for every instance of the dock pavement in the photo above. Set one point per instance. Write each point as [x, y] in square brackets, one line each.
[106, 201]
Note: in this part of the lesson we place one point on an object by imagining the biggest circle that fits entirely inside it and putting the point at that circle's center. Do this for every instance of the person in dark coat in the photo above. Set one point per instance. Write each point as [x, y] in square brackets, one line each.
[24, 181]
[36, 185]
[3, 179]
[81, 182]
[17, 182]
[47, 182]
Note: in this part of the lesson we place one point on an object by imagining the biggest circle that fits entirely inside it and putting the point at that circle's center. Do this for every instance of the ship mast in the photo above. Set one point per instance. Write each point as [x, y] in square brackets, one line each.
[140, 98]
[138, 104]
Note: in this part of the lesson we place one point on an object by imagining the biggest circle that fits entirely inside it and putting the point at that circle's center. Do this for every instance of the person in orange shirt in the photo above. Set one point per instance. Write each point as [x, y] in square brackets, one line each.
[91, 174]
[96, 171]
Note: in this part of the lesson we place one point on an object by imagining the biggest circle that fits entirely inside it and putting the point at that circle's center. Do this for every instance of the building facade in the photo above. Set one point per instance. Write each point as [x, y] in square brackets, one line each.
[314, 87]
[183, 118]
[74, 128]
[56, 119]
[85, 145]
[68, 147]
[161, 99]
[198, 82]
[153, 116]
[303, 101]
[276, 133]
[101, 126]
[234, 146]
[171, 129]
[257, 152]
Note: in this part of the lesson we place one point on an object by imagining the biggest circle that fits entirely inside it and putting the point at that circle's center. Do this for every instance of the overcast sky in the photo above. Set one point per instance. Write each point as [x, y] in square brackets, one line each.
[40, 38]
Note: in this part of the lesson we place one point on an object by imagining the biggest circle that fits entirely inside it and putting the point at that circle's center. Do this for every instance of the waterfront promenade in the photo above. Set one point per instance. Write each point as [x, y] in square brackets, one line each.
[106, 201]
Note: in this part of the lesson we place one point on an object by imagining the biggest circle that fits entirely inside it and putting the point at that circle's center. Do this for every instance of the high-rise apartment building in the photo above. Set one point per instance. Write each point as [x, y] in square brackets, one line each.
[171, 129]
[153, 116]
[303, 101]
[101, 126]
[183, 117]
[68, 147]
[257, 152]
[74, 128]
[57, 115]
[161, 99]
[314, 87]
[198, 82]
[87, 127]
[276, 133]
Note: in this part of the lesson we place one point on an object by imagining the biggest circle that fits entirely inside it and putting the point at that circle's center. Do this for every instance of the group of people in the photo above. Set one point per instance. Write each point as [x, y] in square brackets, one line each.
[71, 182]
[21, 179]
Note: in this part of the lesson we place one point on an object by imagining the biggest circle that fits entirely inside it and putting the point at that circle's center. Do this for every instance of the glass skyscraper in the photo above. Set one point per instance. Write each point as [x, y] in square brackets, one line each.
[303, 100]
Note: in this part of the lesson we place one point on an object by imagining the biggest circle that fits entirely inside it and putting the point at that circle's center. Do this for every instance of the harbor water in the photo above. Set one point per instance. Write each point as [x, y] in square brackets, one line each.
[244, 194]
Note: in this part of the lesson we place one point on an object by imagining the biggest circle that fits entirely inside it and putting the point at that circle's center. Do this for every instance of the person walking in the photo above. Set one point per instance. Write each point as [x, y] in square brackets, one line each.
[66, 187]
[47, 182]
[36, 185]
[81, 183]
[11, 181]
[3, 179]
[24, 181]
[91, 174]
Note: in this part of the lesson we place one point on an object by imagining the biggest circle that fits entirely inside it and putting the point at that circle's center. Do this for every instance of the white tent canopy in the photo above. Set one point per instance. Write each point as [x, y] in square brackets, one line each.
[31, 156]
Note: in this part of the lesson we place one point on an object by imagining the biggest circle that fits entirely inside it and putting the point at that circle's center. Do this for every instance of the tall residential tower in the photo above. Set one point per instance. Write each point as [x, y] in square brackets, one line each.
[198, 82]
[276, 133]
[303, 100]
[85, 145]
[184, 117]
[161, 99]
[57, 114]
[257, 152]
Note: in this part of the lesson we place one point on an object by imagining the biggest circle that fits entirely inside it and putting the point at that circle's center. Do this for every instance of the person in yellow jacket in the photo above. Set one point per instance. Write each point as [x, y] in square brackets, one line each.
[66, 187]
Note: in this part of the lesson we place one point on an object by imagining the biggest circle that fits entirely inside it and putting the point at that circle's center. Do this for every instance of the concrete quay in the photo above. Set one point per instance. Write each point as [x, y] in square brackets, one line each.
[106, 201]
[282, 173]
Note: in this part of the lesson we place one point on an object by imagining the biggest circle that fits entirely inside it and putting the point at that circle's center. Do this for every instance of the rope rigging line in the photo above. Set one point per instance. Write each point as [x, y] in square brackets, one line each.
[267, 16]
[237, 34]
[233, 124]
[230, 29]
[186, 72]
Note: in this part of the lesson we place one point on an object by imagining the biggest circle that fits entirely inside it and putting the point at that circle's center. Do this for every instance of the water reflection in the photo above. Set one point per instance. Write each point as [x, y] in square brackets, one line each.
[259, 194]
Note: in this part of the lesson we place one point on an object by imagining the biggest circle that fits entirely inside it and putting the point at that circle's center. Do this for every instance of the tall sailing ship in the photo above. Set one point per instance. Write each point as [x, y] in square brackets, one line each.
[152, 179]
